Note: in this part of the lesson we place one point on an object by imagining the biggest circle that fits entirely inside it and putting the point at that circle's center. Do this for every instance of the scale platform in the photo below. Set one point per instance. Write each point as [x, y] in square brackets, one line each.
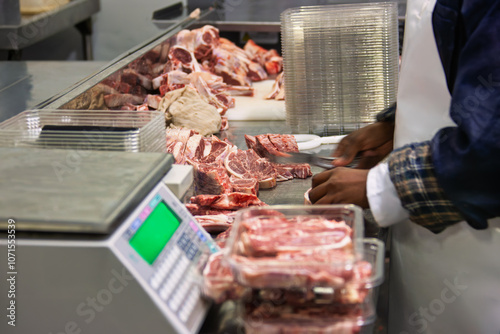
[74, 191]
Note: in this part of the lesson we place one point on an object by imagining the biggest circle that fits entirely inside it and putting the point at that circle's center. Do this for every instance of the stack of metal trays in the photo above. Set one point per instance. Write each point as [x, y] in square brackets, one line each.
[141, 131]
[340, 63]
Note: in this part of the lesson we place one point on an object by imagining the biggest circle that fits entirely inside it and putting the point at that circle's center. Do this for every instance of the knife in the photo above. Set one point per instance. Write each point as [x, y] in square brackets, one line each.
[310, 158]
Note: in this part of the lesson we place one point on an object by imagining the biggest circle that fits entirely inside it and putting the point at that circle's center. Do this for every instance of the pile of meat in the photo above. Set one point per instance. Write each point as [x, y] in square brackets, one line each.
[213, 66]
[227, 178]
[293, 274]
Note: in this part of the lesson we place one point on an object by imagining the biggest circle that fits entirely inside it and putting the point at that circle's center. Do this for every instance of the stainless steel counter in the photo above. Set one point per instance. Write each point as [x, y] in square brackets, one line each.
[25, 84]
[34, 28]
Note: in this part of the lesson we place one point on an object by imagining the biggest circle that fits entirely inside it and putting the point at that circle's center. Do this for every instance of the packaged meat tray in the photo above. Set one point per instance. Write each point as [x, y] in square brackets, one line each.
[218, 283]
[354, 292]
[298, 311]
[297, 246]
[321, 319]
[324, 326]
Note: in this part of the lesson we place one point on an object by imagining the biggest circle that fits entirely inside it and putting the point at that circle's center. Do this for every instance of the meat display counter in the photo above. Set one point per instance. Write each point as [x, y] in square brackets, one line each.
[93, 93]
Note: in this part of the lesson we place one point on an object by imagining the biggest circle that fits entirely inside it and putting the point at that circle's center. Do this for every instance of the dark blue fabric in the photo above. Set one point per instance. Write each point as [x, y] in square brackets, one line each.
[467, 157]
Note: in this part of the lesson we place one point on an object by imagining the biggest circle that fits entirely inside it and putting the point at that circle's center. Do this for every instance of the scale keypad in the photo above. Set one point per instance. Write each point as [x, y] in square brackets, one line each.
[172, 279]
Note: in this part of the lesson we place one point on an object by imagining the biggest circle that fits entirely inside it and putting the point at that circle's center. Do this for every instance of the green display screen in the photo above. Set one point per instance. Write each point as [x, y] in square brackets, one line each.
[155, 232]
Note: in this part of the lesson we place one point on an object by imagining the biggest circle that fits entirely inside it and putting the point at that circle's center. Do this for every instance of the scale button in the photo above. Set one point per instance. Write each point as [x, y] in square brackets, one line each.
[135, 225]
[155, 282]
[183, 263]
[184, 314]
[201, 236]
[155, 201]
[162, 273]
[191, 300]
[183, 241]
[174, 278]
[175, 252]
[166, 289]
[164, 293]
[193, 226]
[174, 303]
[191, 253]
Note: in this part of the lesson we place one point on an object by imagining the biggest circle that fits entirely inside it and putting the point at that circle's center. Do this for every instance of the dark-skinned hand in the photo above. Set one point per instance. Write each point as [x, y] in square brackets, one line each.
[372, 143]
[340, 185]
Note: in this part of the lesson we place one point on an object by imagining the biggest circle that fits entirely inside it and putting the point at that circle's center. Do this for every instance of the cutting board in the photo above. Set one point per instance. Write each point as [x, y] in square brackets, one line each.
[257, 108]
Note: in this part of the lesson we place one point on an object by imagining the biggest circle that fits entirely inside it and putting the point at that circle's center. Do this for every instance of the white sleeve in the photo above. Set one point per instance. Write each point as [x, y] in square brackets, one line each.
[384, 202]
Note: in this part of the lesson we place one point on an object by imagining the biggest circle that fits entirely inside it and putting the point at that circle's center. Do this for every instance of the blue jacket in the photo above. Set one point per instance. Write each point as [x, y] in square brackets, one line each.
[466, 158]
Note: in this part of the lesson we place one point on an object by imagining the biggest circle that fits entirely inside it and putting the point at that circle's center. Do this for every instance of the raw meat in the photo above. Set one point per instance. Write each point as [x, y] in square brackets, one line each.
[283, 143]
[211, 179]
[215, 224]
[272, 144]
[272, 250]
[299, 170]
[194, 147]
[269, 59]
[243, 163]
[171, 135]
[117, 100]
[231, 201]
[177, 139]
[278, 89]
[153, 101]
[251, 142]
[246, 184]
[267, 145]
[133, 78]
[177, 150]
[288, 325]
[221, 238]
[273, 235]
[283, 174]
[183, 59]
[218, 280]
[264, 147]
[198, 210]
[215, 67]
[215, 150]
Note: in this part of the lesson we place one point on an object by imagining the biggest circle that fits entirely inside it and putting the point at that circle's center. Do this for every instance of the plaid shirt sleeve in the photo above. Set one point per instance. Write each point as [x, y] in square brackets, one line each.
[412, 172]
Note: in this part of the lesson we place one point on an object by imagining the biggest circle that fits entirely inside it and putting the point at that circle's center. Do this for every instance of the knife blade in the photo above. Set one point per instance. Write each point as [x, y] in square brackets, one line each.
[300, 157]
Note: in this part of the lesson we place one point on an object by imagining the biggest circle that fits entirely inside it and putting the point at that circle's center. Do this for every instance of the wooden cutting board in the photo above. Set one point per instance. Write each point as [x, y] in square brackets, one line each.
[257, 108]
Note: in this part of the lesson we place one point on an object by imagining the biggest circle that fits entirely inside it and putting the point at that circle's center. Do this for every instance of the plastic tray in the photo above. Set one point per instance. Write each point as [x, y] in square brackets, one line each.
[275, 315]
[265, 271]
[142, 131]
[266, 317]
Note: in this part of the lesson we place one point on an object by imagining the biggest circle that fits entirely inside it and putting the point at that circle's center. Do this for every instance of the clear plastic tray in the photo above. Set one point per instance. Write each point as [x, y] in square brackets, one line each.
[220, 285]
[345, 65]
[300, 261]
[353, 292]
[275, 315]
[142, 131]
[268, 317]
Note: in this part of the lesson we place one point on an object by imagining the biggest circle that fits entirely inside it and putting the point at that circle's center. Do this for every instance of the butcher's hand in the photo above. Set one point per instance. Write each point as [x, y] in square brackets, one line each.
[372, 143]
[340, 185]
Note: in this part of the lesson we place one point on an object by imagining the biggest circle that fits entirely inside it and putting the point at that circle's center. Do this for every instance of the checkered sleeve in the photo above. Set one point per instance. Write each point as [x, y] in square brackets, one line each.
[412, 172]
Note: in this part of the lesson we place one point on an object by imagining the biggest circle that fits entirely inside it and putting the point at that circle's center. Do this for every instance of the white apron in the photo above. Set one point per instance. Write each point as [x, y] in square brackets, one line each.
[447, 283]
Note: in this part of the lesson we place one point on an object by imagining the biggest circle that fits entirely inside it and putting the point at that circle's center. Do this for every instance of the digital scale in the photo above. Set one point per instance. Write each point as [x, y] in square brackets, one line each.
[101, 244]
